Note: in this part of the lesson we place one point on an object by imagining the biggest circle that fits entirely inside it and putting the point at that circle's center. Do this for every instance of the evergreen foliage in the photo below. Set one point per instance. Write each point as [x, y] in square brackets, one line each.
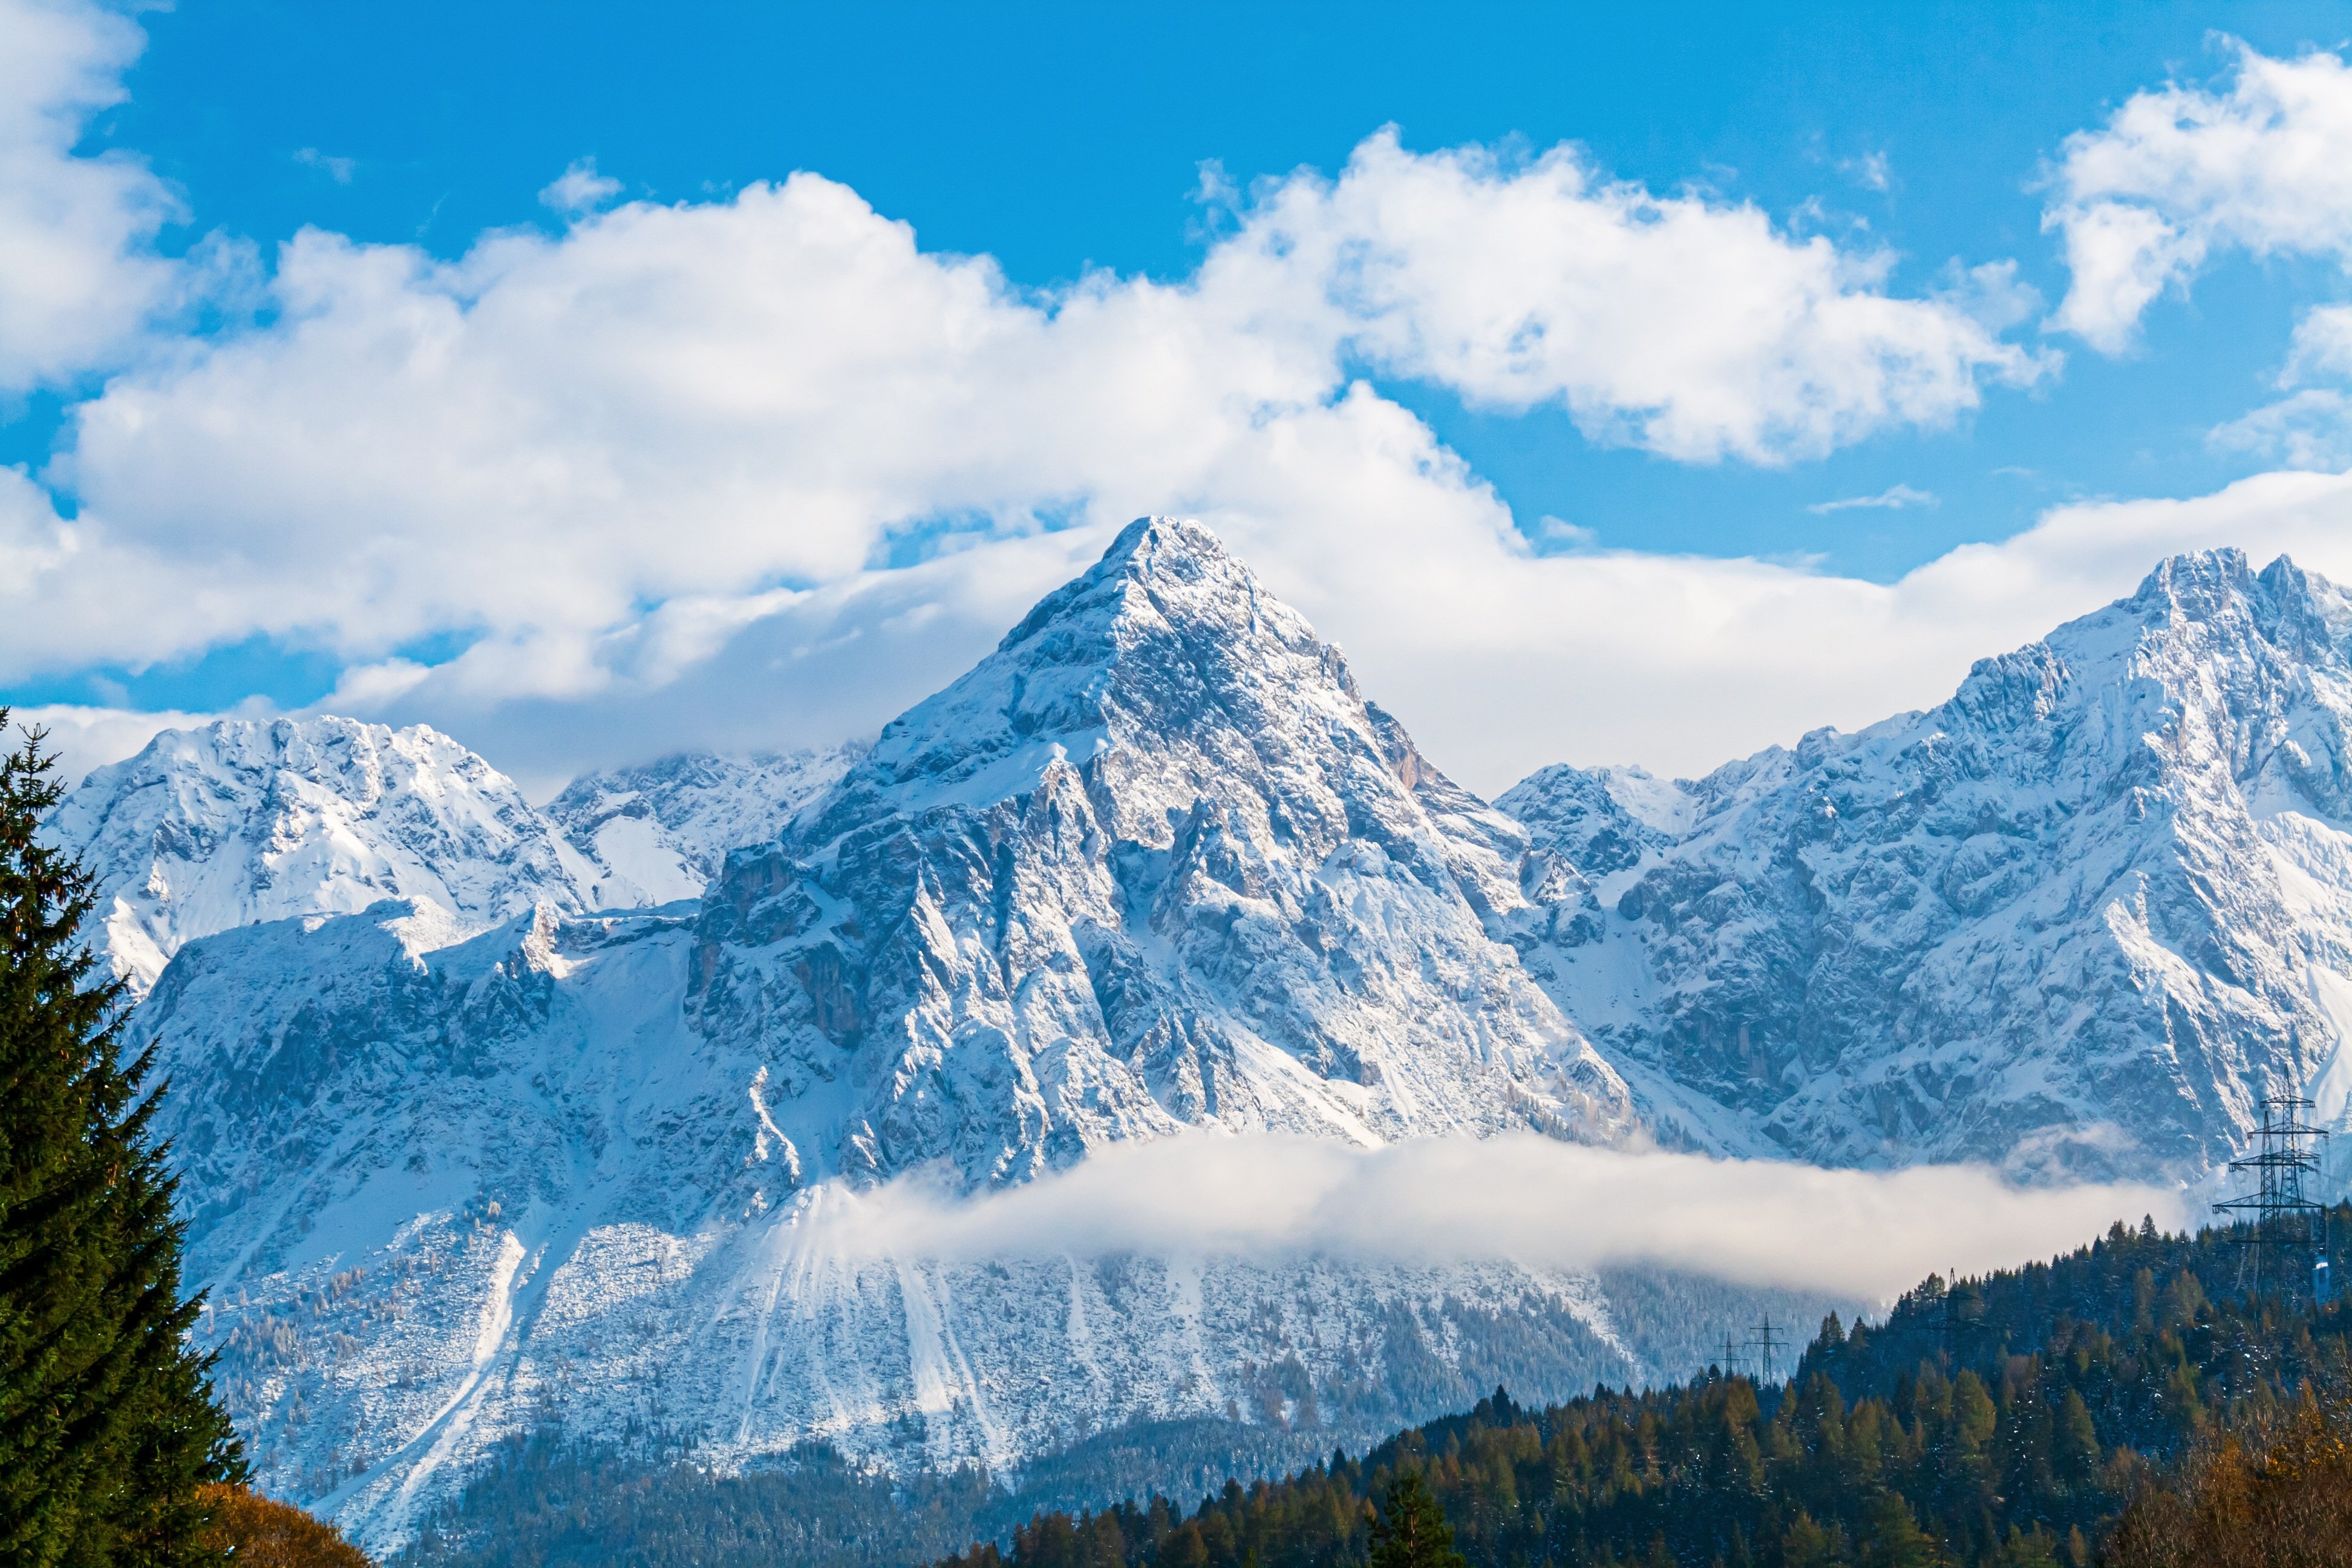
[550, 1504]
[108, 1425]
[1411, 1531]
[1999, 1423]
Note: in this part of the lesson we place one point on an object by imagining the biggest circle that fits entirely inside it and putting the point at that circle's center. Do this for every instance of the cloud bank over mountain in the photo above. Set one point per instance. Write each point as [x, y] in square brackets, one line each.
[759, 470]
[1515, 1197]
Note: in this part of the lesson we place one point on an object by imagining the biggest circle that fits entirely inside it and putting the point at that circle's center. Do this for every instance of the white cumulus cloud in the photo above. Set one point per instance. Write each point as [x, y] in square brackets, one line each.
[78, 276]
[594, 458]
[1693, 328]
[763, 470]
[2261, 164]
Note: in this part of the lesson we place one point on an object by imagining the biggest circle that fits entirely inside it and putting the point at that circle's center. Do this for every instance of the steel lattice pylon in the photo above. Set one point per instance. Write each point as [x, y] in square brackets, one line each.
[2287, 1238]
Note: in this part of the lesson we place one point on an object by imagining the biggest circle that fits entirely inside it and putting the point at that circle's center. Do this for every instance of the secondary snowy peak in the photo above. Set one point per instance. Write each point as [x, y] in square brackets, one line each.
[1153, 863]
[244, 821]
[2080, 916]
[658, 831]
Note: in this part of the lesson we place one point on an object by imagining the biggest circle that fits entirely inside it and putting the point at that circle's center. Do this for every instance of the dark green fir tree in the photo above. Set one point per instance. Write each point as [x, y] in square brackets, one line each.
[107, 1421]
[1411, 1531]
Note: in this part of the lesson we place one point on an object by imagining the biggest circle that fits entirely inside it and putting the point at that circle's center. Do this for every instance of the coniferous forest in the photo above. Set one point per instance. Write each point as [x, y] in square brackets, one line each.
[2008, 1421]
[2133, 1403]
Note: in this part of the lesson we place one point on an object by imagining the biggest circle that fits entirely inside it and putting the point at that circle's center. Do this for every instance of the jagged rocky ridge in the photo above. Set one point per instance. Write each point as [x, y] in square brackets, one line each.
[1155, 862]
[1154, 868]
[2077, 919]
[247, 821]
[659, 831]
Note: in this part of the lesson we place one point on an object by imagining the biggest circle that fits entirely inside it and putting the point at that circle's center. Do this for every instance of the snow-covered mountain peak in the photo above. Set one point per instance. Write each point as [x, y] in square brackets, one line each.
[2220, 586]
[250, 820]
[658, 831]
[2079, 917]
[2212, 605]
[1153, 862]
[1139, 653]
[1154, 868]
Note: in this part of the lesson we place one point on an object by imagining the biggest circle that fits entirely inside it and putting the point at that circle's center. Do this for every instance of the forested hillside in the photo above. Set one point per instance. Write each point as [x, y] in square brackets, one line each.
[1998, 1421]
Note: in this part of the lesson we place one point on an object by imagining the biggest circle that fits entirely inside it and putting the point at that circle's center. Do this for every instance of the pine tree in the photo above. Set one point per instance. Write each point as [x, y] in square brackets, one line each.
[1411, 1531]
[1894, 1539]
[1807, 1545]
[108, 1423]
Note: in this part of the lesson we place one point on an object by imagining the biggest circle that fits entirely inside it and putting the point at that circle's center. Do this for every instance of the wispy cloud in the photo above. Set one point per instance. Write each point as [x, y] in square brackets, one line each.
[1518, 1198]
[579, 189]
[336, 168]
[2180, 174]
[1894, 498]
[1871, 172]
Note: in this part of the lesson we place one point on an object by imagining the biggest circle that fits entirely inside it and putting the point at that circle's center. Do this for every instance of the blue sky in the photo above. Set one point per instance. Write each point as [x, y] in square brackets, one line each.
[1920, 144]
[1061, 138]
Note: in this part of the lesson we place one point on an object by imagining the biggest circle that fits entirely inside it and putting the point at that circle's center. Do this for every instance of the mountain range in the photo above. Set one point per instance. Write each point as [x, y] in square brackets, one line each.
[491, 1118]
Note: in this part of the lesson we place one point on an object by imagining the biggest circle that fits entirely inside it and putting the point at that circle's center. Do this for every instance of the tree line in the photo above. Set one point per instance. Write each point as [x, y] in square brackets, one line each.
[2106, 1406]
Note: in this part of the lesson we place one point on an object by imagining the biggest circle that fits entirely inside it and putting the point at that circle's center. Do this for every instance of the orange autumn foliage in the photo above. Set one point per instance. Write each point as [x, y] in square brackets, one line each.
[261, 1533]
[2279, 1498]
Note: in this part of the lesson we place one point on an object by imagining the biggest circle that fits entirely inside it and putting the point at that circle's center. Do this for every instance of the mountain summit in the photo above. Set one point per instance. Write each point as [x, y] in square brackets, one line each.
[1153, 862]
[2078, 919]
[244, 821]
[1153, 868]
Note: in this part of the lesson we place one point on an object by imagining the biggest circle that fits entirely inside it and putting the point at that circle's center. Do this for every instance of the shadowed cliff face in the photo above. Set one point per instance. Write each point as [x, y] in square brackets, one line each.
[2078, 919]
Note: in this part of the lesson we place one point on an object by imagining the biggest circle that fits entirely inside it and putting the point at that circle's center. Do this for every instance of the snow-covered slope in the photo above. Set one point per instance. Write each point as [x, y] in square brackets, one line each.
[2079, 917]
[1154, 868]
[244, 821]
[444, 1192]
[659, 831]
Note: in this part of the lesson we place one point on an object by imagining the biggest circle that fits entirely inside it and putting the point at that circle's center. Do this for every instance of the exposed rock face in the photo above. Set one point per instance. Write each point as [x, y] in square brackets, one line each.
[1153, 862]
[1153, 868]
[243, 821]
[484, 1155]
[2079, 918]
[659, 831]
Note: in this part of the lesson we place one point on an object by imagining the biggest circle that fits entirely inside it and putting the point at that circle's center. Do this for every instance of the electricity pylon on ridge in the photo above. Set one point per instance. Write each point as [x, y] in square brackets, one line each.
[1764, 1344]
[2286, 1238]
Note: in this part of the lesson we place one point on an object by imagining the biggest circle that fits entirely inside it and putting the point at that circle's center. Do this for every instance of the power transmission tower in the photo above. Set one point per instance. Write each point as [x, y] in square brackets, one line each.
[2285, 1233]
[1764, 1344]
[1730, 1365]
